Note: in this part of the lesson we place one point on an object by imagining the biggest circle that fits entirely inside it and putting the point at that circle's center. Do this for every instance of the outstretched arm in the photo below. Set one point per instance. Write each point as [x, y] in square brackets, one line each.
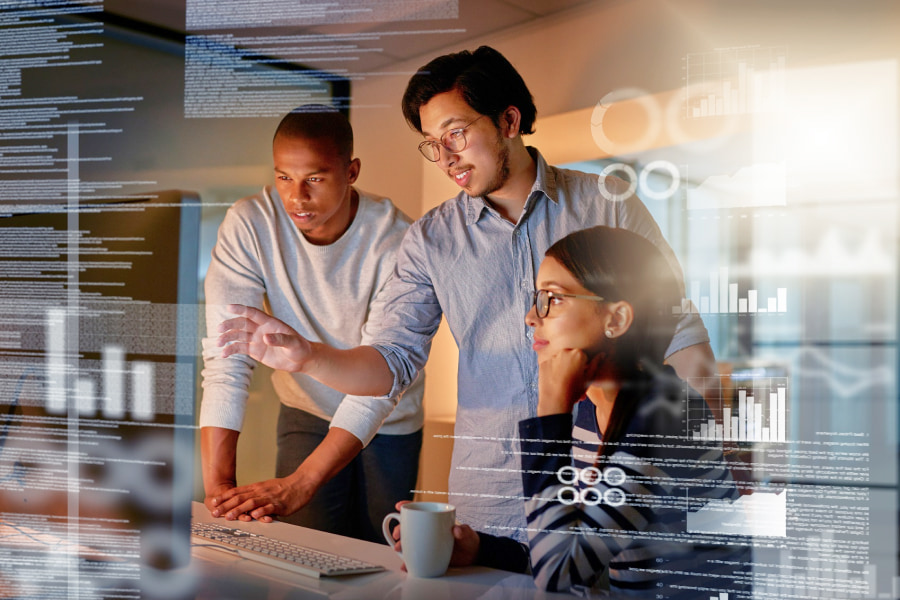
[360, 371]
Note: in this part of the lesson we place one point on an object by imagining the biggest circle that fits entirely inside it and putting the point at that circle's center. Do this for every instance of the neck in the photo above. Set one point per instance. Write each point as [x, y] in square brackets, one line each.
[510, 199]
[333, 234]
[603, 395]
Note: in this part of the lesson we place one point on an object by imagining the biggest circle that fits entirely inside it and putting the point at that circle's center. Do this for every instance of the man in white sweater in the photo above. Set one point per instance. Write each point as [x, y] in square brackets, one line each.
[313, 252]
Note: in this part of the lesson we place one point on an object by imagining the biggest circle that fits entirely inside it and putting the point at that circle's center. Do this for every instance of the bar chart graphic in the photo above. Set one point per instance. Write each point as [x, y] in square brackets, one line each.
[752, 410]
[734, 81]
[65, 381]
[723, 297]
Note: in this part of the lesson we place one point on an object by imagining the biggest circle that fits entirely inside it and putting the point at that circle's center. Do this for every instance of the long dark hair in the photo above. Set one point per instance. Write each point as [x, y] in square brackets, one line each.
[618, 264]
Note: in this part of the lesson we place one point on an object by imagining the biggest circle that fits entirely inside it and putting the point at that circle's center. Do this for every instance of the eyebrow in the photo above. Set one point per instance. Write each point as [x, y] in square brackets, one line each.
[445, 124]
[316, 172]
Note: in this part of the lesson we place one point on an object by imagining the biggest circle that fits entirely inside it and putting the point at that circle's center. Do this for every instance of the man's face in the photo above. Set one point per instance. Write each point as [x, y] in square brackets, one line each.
[482, 167]
[314, 180]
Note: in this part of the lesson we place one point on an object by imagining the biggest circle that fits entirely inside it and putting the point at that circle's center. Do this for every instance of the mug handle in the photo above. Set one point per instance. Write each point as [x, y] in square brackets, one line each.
[387, 531]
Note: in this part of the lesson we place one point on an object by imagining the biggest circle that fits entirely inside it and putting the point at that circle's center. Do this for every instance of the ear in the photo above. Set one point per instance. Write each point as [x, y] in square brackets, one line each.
[510, 120]
[621, 316]
[353, 170]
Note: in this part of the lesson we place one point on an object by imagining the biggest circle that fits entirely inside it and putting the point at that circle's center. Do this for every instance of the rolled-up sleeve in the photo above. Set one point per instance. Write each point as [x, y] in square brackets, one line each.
[405, 316]
[232, 278]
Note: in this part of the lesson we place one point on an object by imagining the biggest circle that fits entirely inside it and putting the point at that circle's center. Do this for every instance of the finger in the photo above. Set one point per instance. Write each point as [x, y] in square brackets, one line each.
[281, 340]
[237, 323]
[247, 311]
[268, 509]
[236, 348]
[396, 533]
[245, 507]
[401, 503]
[234, 336]
[235, 504]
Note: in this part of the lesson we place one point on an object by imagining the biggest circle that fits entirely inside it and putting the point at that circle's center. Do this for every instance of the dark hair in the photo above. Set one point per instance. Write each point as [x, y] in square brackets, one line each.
[317, 122]
[618, 264]
[487, 81]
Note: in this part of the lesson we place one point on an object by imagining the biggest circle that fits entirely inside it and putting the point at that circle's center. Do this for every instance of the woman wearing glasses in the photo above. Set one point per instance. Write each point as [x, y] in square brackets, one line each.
[608, 473]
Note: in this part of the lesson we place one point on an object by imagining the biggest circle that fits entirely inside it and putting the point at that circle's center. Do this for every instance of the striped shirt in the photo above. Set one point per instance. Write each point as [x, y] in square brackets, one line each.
[618, 524]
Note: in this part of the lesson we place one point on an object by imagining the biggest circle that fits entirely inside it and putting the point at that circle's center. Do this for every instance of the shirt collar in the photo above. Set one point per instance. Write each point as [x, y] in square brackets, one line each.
[544, 183]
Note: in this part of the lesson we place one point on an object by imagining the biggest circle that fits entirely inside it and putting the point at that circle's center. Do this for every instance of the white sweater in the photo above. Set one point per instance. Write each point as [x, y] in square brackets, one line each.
[324, 292]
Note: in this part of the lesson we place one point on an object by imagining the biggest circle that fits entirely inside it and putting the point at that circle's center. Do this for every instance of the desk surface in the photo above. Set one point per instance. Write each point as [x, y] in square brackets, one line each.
[222, 575]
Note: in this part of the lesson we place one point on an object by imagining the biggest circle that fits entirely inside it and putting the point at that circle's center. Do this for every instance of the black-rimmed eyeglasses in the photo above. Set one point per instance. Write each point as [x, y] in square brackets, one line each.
[453, 140]
[542, 300]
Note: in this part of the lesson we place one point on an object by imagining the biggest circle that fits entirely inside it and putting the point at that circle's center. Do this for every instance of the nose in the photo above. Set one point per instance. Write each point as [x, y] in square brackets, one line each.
[299, 191]
[531, 318]
[446, 158]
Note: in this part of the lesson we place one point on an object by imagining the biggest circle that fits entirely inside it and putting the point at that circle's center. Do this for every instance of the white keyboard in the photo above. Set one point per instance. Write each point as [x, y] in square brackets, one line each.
[277, 553]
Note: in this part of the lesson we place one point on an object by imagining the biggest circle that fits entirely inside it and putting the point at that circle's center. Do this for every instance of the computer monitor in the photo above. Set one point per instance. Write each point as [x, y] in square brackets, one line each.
[98, 339]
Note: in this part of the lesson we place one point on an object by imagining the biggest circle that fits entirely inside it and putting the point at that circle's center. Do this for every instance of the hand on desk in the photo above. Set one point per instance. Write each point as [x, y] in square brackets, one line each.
[465, 542]
[263, 338]
[261, 500]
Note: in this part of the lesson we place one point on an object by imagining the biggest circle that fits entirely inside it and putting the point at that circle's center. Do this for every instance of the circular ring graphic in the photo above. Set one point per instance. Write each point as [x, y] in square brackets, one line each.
[651, 133]
[663, 165]
[614, 476]
[591, 476]
[591, 496]
[614, 497]
[632, 181]
[565, 470]
[568, 502]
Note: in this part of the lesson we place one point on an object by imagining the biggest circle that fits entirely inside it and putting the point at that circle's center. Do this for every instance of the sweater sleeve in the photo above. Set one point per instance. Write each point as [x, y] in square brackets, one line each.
[233, 277]
[571, 542]
[363, 416]
[502, 553]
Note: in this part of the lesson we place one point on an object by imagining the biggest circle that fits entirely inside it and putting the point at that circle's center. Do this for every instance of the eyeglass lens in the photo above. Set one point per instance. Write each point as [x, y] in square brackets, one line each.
[542, 303]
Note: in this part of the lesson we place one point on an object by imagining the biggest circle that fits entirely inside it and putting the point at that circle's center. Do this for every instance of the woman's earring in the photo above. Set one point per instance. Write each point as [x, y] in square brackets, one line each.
[609, 333]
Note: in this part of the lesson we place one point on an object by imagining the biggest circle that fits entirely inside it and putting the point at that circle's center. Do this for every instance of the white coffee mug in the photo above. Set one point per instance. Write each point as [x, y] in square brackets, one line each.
[426, 536]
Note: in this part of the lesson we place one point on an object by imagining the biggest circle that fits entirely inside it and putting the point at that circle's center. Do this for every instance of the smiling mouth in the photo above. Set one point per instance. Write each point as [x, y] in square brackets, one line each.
[302, 217]
[462, 178]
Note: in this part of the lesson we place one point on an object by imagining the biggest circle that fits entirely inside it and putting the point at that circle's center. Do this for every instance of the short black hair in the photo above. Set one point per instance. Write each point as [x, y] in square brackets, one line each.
[317, 122]
[487, 81]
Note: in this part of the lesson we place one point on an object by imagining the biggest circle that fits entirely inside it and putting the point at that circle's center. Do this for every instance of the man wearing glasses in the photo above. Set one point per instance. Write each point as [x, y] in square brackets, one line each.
[473, 259]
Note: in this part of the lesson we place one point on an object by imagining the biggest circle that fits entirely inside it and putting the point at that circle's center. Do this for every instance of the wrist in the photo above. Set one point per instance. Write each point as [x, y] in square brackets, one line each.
[307, 477]
[554, 403]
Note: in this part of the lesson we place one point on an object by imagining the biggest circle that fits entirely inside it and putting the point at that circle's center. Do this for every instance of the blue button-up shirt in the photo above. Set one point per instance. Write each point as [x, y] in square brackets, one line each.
[464, 261]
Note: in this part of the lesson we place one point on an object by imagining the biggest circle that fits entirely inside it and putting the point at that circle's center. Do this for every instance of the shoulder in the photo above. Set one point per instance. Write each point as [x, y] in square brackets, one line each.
[259, 206]
[446, 217]
[379, 219]
[249, 215]
[380, 208]
[379, 228]
[607, 192]
[662, 404]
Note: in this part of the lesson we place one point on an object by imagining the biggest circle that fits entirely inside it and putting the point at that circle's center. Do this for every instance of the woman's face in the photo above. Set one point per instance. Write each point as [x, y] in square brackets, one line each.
[572, 322]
